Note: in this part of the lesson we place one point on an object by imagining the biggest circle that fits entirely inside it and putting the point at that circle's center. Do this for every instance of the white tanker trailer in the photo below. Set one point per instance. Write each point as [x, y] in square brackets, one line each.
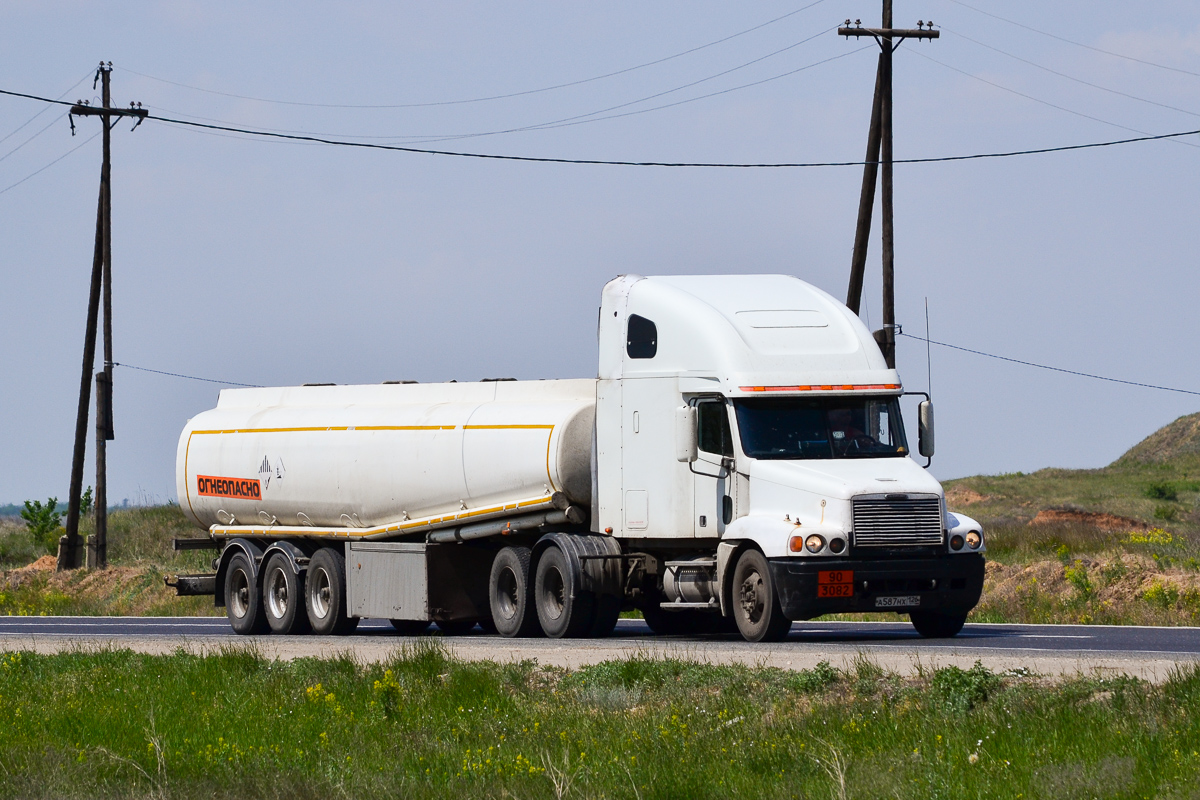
[739, 463]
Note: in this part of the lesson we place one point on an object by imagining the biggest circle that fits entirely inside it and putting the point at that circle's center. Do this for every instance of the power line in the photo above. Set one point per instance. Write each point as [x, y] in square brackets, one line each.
[490, 97]
[599, 162]
[1072, 41]
[51, 164]
[31, 138]
[1072, 77]
[1053, 369]
[20, 127]
[578, 119]
[1004, 88]
[547, 160]
[189, 377]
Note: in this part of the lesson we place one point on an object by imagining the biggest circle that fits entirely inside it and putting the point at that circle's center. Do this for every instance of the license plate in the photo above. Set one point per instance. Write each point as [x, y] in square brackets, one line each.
[894, 602]
[835, 583]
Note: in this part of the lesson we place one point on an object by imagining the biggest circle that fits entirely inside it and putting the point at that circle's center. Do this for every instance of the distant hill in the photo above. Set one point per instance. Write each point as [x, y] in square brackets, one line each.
[1155, 483]
[1177, 442]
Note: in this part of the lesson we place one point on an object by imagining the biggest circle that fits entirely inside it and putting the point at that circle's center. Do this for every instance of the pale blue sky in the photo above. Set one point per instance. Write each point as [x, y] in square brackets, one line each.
[270, 263]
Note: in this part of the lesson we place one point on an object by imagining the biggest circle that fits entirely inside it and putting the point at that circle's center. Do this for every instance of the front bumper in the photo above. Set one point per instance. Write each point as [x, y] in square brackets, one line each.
[949, 583]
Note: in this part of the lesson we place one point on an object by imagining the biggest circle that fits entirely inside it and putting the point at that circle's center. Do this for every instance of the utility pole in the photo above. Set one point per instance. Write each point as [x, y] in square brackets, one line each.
[69, 549]
[880, 139]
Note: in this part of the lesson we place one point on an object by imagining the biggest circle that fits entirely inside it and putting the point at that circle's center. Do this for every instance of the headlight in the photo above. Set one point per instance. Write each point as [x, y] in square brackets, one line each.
[956, 542]
[814, 543]
[974, 539]
[837, 545]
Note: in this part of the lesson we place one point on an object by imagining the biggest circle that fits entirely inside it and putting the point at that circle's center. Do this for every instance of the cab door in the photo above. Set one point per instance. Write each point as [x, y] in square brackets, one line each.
[711, 470]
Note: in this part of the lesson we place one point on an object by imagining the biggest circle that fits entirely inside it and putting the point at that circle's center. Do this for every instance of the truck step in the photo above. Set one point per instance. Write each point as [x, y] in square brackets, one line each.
[698, 563]
[711, 604]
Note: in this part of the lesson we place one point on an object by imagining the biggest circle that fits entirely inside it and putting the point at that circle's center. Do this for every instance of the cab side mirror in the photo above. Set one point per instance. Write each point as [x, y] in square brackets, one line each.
[925, 428]
[685, 434]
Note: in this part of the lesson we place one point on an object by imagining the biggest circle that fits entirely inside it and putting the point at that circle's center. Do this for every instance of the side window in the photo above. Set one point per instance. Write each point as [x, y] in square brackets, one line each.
[712, 421]
[641, 340]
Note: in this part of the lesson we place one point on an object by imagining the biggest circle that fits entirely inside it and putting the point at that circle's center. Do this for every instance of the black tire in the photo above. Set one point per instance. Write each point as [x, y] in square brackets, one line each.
[563, 611]
[608, 611]
[456, 627]
[410, 627]
[669, 623]
[938, 624]
[756, 605]
[283, 597]
[510, 594]
[325, 594]
[243, 602]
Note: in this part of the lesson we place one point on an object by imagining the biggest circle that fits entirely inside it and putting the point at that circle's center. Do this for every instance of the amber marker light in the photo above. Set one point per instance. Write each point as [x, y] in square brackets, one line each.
[796, 544]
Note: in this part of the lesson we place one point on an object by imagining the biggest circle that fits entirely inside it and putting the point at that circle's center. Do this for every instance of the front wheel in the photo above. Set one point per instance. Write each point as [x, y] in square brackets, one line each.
[936, 624]
[756, 606]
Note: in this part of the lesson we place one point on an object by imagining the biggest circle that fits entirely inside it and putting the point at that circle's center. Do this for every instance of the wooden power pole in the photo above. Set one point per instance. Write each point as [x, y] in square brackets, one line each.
[880, 139]
[70, 551]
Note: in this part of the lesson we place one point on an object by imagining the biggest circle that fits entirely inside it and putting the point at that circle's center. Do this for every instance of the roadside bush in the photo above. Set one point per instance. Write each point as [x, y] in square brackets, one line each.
[963, 690]
[43, 523]
[1161, 490]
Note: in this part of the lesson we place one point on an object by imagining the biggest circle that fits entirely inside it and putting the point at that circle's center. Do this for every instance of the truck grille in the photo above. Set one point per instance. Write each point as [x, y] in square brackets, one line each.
[882, 521]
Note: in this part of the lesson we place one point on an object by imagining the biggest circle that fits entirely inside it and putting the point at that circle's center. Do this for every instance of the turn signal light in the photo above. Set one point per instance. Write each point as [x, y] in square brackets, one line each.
[956, 542]
[974, 539]
[796, 544]
[814, 543]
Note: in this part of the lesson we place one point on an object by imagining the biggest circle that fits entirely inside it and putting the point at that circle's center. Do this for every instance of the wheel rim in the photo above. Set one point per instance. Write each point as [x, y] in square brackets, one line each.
[751, 596]
[239, 596]
[319, 593]
[506, 593]
[277, 593]
[553, 593]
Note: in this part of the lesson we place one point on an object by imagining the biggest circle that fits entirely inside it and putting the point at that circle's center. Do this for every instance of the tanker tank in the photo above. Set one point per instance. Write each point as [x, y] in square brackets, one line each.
[384, 460]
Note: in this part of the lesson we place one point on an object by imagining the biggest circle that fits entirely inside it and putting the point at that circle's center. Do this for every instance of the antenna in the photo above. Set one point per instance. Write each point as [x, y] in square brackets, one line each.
[928, 360]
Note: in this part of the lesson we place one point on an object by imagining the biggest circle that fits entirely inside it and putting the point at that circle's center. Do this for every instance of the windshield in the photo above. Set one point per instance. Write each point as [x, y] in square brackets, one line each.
[827, 427]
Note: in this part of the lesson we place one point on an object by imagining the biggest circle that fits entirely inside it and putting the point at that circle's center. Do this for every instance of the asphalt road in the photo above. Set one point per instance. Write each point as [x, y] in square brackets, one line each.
[861, 636]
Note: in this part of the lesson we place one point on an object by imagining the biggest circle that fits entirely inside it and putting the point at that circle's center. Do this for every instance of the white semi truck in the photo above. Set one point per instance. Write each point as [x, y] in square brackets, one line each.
[740, 462]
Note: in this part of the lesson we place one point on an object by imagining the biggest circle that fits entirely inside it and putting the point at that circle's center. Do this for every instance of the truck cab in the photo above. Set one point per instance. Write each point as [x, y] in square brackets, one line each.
[755, 416]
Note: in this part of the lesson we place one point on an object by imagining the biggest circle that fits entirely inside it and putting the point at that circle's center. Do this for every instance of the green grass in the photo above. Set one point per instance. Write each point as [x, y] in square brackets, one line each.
[118, 724]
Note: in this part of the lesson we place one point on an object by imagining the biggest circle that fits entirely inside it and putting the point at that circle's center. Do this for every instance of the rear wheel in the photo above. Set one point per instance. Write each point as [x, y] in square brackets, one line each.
[325, 594]
[562, 609]
[510, 594]
[608, 611]
[756, 605]
[936, 624]
[283, 597]
[243, 603]
[410, 627]
[456, 627]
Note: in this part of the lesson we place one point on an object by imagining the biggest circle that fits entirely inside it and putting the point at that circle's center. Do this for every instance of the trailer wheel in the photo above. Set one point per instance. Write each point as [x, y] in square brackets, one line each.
[325, 594]
[563, 610]
[410, 627]
[937, 625]
[243, 603]
[283, 597]
[756, 605]
[511, 596]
